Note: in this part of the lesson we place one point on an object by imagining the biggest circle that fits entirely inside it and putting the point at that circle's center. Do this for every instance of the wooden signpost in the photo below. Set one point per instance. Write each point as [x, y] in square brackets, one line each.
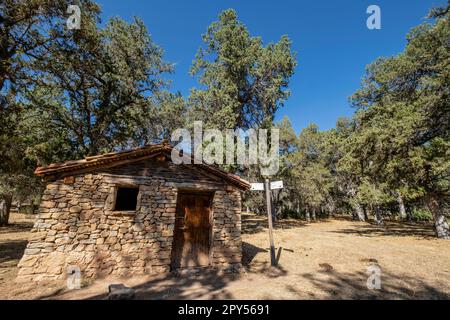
[268, 186]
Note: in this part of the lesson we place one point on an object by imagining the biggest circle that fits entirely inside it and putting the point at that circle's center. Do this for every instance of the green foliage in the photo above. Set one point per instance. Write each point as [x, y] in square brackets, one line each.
[27, 27]
[396, 147]
[291, 214]
[403, 114]
[245, 82]
[27, 30]
[421, 214]
[312, 179]
[372, 195]
[99, 85]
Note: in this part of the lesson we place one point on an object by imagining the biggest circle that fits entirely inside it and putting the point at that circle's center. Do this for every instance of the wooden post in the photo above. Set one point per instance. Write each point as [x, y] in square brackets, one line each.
[269, 219]
[274, 210]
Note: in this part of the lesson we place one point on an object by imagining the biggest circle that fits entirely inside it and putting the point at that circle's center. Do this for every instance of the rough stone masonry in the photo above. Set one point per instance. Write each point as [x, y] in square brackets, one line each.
[78, 228]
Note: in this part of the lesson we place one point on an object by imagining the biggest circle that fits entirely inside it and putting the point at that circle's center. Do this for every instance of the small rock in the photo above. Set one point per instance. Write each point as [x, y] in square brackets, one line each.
[75, 209]
[120, 292]
[326, 267]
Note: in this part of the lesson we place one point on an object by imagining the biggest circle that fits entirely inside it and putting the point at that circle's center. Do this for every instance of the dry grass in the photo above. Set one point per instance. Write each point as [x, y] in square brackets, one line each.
[322, 260]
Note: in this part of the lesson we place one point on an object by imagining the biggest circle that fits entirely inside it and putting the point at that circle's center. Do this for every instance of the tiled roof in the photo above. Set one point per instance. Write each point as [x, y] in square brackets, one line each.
[111, 158]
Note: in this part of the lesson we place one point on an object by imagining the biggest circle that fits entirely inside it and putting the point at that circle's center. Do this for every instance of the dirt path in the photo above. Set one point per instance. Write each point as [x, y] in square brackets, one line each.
[323, 260]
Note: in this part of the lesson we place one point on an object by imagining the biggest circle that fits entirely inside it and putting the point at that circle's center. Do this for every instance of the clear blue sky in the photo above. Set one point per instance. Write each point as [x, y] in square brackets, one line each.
[330, 37]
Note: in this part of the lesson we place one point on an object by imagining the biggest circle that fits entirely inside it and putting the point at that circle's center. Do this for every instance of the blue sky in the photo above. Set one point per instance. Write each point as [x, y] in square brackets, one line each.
[330, 37]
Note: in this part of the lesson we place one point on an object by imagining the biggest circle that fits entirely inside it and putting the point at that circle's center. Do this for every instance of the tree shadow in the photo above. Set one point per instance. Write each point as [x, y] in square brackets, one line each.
[11, 251]
[249, 252]
[206, 284]
[353, 286]
[391, 228]
[263, 267]
[196, 283]
[16, 227]
[252, 224]
[52, 293]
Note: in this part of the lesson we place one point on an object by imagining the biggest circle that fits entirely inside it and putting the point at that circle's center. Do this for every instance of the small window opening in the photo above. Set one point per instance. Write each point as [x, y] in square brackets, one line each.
[126, 199]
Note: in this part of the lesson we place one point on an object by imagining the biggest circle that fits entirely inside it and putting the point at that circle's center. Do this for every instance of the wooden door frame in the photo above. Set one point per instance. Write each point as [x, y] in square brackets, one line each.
[210, 194]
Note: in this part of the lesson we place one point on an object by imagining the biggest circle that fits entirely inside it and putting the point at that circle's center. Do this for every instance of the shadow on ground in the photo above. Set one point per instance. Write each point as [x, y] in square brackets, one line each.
[325, 283]
[254, 224]
[208, 283]
[202, 283]
[249, 252]
[16, 227]
[11, 251]
[391, 228]
[337, 285]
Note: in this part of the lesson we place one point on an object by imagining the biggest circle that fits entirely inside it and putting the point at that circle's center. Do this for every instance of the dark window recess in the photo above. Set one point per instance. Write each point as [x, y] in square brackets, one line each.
[126, 199]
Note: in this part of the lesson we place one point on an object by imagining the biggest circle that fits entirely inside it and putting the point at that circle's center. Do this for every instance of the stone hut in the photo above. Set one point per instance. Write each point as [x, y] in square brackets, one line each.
[131, 213]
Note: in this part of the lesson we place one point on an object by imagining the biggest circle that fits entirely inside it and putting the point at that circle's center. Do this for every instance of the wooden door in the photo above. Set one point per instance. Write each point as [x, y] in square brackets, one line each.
[192, 232]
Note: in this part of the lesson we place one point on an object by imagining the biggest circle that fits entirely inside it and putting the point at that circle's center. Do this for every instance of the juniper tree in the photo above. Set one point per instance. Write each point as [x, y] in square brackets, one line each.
[101, 84]
[404, 114]
[245, 82]
[27, 29]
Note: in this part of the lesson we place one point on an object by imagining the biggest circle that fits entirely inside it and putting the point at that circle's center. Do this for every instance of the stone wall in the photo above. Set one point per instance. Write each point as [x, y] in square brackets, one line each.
[77, 226]
[226, 248]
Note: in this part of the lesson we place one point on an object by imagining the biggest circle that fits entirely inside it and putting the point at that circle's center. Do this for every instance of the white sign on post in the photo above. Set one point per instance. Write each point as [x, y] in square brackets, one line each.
[257, 186]
[276, 185]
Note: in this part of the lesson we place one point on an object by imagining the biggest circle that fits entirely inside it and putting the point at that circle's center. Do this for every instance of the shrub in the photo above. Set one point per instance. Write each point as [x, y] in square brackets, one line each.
[287, 213]
[421, 214]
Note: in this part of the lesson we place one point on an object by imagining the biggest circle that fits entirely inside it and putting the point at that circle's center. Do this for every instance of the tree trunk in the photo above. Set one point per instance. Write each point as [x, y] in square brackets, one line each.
[308, 217]
[440, 220]
[5, 205]
[331, 208]
[314, 214]
[401, 206]
[359, 212]
[409, 216]
[378, 217]
[366, 214]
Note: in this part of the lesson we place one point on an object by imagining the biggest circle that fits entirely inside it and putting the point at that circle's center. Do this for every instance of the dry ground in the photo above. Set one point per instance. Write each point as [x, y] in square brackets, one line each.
[322, 260]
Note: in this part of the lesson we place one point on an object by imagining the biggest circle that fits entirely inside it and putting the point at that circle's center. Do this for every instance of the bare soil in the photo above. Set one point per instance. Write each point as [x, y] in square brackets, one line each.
[321, 260]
